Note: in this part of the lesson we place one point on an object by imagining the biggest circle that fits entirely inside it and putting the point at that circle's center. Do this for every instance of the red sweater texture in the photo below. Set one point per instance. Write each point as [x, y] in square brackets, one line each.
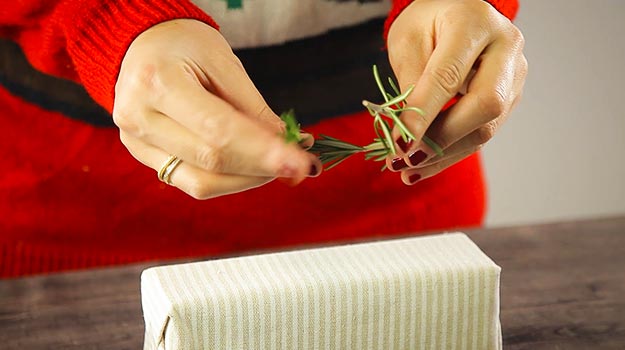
[72, 197]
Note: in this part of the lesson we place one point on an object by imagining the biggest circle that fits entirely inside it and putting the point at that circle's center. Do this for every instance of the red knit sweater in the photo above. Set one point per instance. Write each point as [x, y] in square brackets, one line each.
[72, 197]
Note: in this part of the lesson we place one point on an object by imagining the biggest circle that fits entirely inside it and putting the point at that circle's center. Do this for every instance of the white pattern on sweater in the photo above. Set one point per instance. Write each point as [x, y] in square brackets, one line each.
[272, 22]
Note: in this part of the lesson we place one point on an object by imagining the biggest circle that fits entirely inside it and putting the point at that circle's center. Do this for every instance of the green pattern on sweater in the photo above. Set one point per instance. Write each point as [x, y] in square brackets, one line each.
[234, 4]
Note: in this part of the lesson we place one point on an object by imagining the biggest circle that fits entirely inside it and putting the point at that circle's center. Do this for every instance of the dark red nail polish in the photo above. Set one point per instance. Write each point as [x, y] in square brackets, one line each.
[417, 157]
[313, 170]
[403, 145]
[414, 178]
[398, 164]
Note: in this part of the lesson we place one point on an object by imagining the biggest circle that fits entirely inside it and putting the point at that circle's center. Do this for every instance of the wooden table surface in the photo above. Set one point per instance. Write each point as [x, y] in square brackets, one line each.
[563, 287]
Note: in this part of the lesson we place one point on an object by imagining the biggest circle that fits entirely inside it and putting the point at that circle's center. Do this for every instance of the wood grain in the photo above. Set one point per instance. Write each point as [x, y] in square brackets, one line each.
[563, 287]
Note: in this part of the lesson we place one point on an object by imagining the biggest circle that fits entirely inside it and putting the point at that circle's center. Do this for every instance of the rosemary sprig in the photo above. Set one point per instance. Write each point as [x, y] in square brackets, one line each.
[291, 127]
[332, 151]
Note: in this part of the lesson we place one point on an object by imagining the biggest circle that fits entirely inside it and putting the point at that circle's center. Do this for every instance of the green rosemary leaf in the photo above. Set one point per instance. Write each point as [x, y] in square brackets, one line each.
[391, 82]
[332, 151]
[338, 153]
[377, 152]
[387, 134]
[381, 137]
[414, 109]
[399, 98]
[406, 133]
[376, 76]
[332, 165]
[376, 145]
[376, 156]
[380, 158]
[336, 144]
[322, 136]
[396, 90]
[292, 128]
[434, 146]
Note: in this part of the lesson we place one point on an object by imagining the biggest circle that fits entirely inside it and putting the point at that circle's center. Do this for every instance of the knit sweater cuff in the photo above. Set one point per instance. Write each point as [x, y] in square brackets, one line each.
[507, 8]
[103, 31]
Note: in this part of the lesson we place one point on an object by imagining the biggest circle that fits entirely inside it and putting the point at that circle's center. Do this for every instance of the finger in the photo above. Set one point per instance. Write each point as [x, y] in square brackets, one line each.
[408, 58]
[167, 134]
[468, 144]
[194, 181]
[490, 97]
[410, 160]
[442, 77]
[242, 145]
[424, 156]
[412, 176]
[307, 140]
[475, 140]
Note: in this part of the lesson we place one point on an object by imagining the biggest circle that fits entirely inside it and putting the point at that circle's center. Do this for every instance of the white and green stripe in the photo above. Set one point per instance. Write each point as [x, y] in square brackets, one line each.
[256, 23]
[435, 292]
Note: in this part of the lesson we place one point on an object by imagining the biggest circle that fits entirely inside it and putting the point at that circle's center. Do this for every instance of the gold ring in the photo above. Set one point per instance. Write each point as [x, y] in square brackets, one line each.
[168, 168]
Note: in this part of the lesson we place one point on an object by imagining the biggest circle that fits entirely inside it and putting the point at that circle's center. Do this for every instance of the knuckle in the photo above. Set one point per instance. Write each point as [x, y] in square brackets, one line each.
[146, 76]
[217, 128]
[125, 139]
[517, 36]
[481, 6]
[125, 120]
[210, 158]
[399, 44]
[486, 132]
[199, 189]
[492, 105]
[147, 80]
[448, 76]
[524, 66]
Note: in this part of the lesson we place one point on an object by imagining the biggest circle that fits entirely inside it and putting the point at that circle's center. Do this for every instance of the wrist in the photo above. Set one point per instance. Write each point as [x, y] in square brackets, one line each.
[99, 39]
[508, 8]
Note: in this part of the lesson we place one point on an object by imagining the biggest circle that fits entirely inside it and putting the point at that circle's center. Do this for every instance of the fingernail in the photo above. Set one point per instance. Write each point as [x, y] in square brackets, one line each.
[417, 157]
[403, 145]
[313, 170]
[398, 164]
[414, 178]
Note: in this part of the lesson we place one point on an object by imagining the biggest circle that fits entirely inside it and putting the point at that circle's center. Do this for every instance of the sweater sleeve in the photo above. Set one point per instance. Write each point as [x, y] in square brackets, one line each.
[85, 41]
[508, 8]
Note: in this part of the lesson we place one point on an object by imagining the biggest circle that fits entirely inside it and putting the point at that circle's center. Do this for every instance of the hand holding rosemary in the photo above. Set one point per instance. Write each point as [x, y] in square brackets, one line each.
[332, 151]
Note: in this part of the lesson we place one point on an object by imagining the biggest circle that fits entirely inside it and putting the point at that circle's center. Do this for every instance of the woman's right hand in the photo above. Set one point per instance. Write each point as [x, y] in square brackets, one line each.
[182, 91]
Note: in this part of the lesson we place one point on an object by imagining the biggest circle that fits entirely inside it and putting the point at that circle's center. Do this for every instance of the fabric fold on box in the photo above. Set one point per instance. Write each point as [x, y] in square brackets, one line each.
[432, 292]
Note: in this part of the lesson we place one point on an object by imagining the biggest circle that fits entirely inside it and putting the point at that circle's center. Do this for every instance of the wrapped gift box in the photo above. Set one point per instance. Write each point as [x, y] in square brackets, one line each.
[429, 292]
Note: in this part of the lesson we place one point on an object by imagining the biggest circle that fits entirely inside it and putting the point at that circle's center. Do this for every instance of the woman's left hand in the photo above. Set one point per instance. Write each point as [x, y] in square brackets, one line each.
[447, 47]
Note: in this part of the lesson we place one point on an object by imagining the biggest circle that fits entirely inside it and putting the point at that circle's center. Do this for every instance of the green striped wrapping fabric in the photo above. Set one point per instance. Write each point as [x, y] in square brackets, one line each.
[433, 292]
